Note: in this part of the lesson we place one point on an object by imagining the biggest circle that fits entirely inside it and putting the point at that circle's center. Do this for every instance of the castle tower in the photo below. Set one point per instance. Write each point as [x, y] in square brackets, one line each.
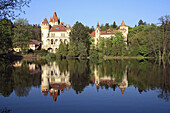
[97, 33]
[124, 83]
[54, 20]
[44, 31]
[124, 30]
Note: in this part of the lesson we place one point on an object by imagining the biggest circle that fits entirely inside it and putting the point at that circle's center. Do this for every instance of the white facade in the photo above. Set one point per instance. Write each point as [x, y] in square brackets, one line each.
[54, 34]
[107, 34]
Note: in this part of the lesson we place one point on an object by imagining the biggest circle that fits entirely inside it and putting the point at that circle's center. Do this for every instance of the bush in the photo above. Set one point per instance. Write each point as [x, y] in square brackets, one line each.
[42, 52]
[94, 54]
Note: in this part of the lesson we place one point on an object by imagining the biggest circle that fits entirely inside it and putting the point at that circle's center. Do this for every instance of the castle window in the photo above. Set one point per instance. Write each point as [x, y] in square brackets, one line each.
[62, 34]
[51, 41]
[52, 34]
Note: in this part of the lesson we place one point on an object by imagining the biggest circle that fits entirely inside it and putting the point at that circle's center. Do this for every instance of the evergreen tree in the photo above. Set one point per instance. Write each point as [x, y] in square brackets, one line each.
[114, 25]
[107, 25]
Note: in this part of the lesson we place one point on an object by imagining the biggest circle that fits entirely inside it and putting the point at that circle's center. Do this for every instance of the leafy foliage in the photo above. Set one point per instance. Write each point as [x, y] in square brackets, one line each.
[8, 8]
[80, 37]
[5, 36]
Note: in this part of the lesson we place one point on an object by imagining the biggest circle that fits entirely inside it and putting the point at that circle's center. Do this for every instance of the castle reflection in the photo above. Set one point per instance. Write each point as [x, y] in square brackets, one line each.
[100, 80]
[54, 82]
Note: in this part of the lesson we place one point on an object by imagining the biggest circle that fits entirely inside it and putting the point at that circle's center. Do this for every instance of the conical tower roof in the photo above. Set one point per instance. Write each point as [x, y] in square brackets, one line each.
[123, 23]
[122, 90]
[45, 21]
[55, 18]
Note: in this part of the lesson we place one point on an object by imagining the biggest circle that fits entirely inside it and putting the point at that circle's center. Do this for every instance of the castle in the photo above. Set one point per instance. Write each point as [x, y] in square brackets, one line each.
[108, 33]
[53, 33]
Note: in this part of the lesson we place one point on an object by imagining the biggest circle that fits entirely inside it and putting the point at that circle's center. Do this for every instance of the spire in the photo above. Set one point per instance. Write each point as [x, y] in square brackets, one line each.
[97, 24]
[122, 90]
[123, 23]
[45, 21]
[55, 17]
[51, 19]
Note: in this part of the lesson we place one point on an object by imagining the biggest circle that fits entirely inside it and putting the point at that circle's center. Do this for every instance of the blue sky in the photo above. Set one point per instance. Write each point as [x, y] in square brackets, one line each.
[89, 12]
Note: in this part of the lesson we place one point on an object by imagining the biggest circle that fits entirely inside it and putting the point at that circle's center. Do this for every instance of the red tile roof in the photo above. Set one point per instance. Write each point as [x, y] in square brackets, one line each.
[36, 42]
[56, 28]
[45, 21]
[92, 34]
[55, 18]
[108, 32]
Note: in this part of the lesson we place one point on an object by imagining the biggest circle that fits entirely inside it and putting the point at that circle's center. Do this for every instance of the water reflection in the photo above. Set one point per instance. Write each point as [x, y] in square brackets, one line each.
[109, 80]
[53, 80]
[62, 75]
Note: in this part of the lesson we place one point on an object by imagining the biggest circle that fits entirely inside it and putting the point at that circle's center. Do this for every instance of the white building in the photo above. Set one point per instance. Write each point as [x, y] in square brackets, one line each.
[108, 33]
[54, 33]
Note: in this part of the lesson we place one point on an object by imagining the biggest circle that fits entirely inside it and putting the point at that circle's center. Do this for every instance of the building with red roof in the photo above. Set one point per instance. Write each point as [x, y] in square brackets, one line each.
[54, 33]
[108, 33]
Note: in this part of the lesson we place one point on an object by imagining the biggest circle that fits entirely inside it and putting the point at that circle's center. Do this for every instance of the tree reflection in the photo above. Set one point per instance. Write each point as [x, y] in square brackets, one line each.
[60, 75]
[17, 77]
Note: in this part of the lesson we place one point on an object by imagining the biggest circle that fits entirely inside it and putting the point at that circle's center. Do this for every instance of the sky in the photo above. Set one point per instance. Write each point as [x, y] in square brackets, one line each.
[89, 12]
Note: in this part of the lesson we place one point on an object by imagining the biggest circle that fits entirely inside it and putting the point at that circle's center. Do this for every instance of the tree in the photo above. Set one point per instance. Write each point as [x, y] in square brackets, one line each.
[107, 25]
[73, 50]
[114, 25]
[22, 33]
[119, 47]
[63, 50]
[141, 22]
[108, 47]
[165, 29]
[36, 30]
[8, 8]
[5, 36]
[101, 44]
[80, 37]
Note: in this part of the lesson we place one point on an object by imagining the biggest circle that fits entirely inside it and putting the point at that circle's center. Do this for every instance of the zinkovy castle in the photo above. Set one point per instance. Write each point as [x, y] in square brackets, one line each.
[55, 32]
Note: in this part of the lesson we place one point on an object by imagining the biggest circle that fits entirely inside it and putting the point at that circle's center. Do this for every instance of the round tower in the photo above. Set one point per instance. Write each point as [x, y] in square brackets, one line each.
[97, 33]
[44, 31]
[45, 28]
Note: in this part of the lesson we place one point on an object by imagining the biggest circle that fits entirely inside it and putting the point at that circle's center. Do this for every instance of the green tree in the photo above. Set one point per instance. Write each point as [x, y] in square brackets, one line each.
[108, 47]
[119, 46]
[80, 37]
[73, 50]
[62, 51]
[114, 25]
[101, 44]
[5, 36]
[22, 33]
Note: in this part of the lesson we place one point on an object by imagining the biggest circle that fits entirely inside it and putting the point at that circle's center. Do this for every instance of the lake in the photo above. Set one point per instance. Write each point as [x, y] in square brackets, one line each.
[83, 86]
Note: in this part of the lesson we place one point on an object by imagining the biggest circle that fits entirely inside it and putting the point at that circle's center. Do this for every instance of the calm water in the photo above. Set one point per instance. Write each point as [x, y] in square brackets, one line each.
[120, 86]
